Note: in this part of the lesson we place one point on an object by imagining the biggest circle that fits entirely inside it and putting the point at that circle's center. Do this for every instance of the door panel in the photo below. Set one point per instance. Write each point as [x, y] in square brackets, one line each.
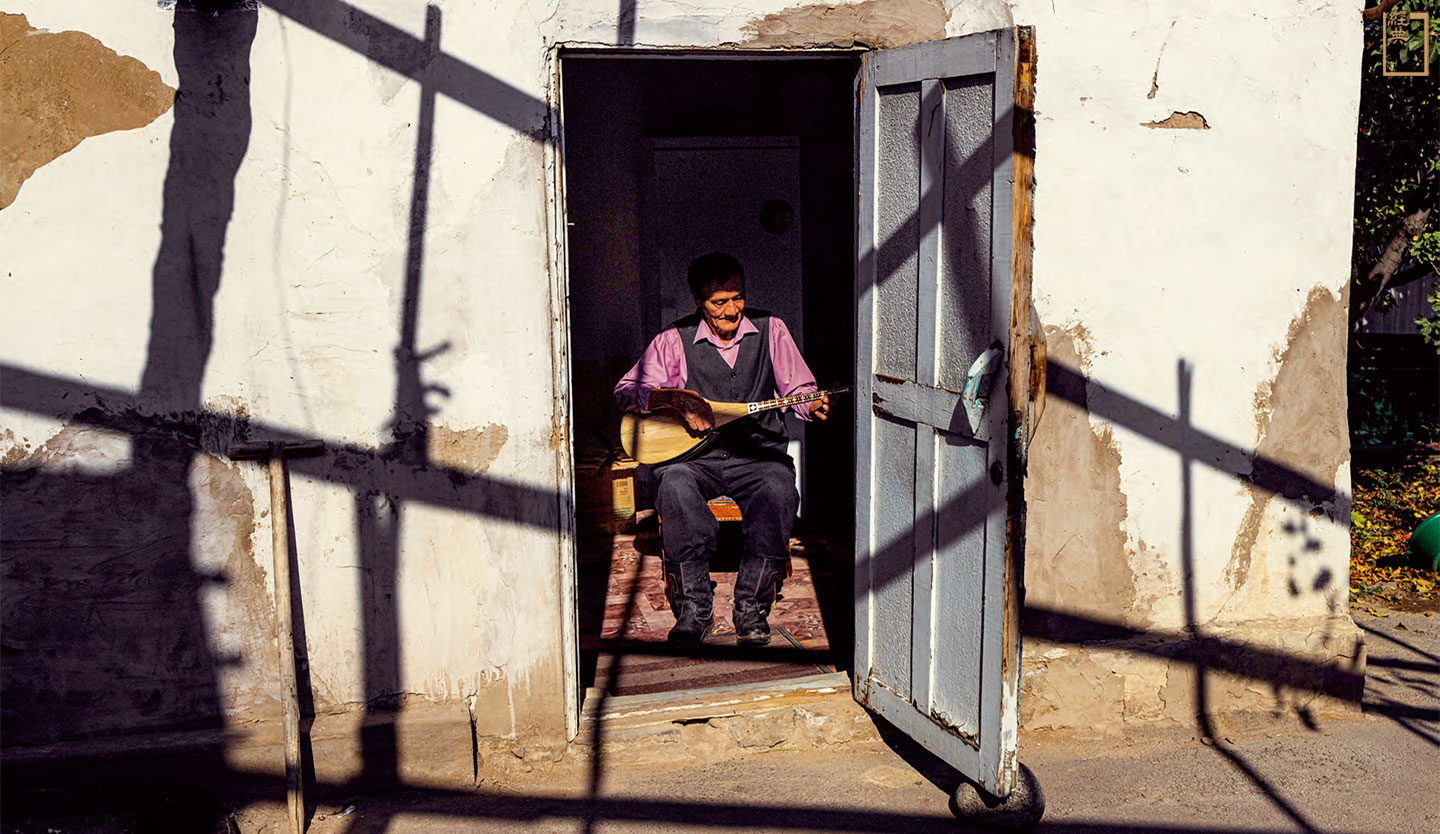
[965, 257]
[894, 524]
[897, 223]
[936, 584]
[960, 562]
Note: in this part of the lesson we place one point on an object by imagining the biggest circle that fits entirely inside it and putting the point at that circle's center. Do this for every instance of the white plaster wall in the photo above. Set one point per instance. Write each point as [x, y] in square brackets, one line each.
[69, 330]
[307, 321]
[1201, 247]
[1168, 246]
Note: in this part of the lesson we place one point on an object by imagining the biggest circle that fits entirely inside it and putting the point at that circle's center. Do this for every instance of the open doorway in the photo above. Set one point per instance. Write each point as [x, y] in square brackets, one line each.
[667, 157]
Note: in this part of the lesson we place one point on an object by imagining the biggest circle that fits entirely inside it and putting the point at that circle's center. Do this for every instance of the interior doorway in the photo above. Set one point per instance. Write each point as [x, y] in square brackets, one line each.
[668, 156]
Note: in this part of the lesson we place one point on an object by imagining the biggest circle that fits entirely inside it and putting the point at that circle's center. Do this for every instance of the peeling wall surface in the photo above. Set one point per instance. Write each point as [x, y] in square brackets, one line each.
[329, 220]
[1190, 477]
[1205, 266]
[57, 89]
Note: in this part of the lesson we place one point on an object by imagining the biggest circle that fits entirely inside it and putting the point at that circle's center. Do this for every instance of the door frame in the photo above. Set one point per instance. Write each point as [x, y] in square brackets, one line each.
[1025, 380]
[562, 415]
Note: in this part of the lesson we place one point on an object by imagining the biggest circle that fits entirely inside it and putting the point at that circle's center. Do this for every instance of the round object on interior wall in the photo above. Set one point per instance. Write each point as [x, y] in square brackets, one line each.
[776, 216]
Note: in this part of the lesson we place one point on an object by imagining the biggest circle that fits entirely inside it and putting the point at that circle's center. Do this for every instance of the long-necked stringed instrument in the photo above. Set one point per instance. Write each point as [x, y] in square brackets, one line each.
[661, 436]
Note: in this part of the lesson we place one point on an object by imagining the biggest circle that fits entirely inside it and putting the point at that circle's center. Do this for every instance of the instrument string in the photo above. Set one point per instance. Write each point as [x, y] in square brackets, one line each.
[796, 399]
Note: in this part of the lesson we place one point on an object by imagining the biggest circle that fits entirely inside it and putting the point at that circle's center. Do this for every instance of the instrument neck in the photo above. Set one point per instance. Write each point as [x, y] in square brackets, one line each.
[793, 399]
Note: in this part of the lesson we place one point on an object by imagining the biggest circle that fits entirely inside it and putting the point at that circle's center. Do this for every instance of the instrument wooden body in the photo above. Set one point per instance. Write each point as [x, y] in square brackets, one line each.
[661, 436]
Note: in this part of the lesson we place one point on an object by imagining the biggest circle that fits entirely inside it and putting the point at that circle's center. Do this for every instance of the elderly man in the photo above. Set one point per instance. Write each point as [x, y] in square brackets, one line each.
[727, 354]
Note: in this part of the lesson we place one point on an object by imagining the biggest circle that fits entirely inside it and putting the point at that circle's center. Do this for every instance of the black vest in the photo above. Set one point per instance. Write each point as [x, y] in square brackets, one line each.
[752, 378]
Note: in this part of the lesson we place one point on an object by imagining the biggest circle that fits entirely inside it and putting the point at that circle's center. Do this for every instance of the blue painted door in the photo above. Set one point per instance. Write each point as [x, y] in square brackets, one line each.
[936, 584]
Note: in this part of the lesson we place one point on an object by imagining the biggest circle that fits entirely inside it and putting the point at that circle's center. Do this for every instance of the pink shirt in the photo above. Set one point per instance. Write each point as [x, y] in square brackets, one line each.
[663, 364]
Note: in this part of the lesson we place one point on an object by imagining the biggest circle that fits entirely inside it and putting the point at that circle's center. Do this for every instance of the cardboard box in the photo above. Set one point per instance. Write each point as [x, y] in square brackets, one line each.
[605, 494]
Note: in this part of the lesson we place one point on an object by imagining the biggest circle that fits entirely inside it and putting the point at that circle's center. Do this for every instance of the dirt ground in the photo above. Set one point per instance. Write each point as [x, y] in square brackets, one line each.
[1398, 599]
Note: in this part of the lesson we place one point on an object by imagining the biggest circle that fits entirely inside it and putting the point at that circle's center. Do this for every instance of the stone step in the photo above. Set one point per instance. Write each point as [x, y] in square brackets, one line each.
[799, 713]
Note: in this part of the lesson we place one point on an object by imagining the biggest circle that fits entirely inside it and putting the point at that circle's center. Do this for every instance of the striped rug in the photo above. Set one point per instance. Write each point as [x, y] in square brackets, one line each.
[644, 668]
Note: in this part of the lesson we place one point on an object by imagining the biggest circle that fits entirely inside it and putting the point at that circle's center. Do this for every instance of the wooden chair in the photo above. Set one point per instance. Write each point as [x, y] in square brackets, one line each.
[724, 508]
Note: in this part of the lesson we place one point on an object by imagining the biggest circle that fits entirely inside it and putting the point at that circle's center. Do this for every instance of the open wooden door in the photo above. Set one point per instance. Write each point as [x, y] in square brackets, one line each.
[943, 286]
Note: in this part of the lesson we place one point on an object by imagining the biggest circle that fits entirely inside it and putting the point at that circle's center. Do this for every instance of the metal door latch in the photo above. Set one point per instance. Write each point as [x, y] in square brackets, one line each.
[979, 381]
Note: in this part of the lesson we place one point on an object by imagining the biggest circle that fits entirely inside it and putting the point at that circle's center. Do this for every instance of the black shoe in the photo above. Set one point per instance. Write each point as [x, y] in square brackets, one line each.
[756, 587]
[689, 632]
[751, 628]
[691, 596]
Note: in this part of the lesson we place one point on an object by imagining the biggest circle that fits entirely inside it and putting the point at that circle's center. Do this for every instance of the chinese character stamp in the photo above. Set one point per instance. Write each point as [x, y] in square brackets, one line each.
[1397, 29]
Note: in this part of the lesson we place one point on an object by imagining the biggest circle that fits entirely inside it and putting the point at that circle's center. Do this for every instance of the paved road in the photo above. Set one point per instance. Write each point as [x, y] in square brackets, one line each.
[1370, 776]
[1377, 773]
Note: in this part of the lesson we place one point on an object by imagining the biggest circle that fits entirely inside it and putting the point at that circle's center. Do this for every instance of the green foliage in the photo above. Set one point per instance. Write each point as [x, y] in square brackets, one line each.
[1398, 149]
[1430, 327]
[1388, 504]
[1397, 175]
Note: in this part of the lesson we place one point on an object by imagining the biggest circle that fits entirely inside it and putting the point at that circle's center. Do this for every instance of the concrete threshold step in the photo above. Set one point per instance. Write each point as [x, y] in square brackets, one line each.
[798, 713]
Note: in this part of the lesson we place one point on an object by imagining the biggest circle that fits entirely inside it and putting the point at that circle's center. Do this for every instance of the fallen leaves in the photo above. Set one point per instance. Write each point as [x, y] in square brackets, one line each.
[1386, 506]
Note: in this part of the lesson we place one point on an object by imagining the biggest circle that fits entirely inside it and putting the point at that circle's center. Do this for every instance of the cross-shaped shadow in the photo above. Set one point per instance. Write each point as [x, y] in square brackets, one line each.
[108, 556]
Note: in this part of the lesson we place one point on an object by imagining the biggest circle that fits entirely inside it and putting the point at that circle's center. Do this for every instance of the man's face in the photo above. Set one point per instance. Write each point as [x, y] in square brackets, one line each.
[723, 307]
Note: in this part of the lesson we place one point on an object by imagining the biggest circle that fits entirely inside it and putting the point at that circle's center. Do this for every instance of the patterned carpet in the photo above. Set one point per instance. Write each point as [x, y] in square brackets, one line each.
[638, 670]
[624, 618]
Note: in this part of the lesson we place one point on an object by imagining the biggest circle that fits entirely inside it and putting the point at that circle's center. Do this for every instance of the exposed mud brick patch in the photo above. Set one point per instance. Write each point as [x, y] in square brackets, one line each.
[519, 714]
[1302, 425]
[881, 24]
[1076, 555]
[242, 625]
[75, 448]
[13, 450]
[1304, 668]
[1242, 552]
[1301, 414]
[1189, 120]
[470, 451]
[58, 89]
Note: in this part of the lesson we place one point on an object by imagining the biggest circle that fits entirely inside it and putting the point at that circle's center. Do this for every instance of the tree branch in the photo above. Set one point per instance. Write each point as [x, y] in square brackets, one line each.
[1376, 12]
[1368, 289]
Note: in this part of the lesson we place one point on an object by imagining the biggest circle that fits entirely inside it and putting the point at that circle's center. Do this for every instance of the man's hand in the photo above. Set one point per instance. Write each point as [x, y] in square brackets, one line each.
[698, 416]
[820, 409]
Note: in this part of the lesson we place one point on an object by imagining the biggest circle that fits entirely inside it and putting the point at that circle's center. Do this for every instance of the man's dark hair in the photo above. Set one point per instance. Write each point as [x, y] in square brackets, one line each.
[712, 270]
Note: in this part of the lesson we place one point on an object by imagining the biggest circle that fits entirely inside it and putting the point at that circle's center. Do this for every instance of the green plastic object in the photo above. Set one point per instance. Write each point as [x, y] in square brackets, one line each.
[1424, 550]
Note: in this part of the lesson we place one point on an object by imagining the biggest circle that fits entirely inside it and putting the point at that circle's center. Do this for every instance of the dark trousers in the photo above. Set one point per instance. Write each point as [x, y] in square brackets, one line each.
[764, 489]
